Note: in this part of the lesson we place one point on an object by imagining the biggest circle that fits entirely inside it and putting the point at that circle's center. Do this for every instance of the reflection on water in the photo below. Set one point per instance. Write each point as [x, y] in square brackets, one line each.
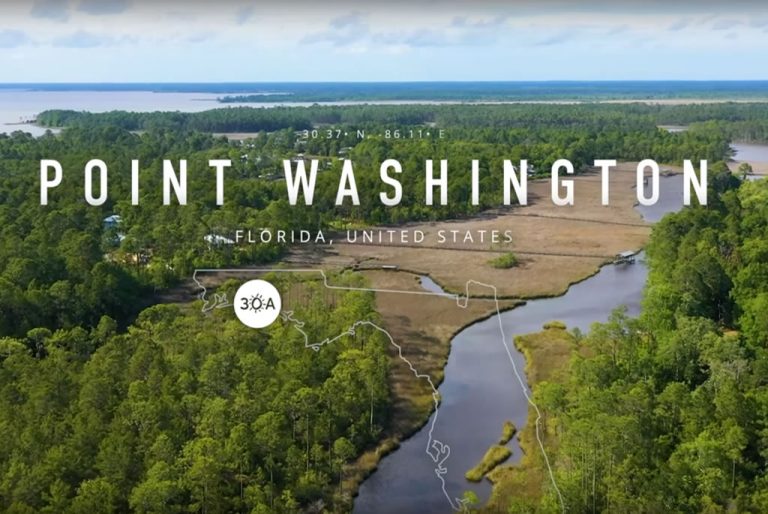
[481, 391]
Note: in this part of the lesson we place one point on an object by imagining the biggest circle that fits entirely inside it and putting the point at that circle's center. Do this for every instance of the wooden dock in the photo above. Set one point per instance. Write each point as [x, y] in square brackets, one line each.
[627, 257]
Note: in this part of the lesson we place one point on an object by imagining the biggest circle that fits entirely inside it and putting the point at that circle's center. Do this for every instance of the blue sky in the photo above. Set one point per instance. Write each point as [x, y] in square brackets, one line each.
[232, 40]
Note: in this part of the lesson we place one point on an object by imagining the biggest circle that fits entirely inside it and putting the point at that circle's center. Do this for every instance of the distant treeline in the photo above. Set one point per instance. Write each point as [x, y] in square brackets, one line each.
[216, 120]
[500, 91]
[743, 121]
[746, 131]
[458, 91]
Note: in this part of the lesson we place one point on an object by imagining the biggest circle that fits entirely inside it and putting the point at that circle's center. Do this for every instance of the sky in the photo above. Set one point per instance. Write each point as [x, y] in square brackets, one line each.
[397, 40]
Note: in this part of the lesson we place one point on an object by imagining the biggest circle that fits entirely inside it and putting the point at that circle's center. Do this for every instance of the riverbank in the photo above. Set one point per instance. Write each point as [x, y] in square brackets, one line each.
[547, 356]
[756, 155]
[425, 327]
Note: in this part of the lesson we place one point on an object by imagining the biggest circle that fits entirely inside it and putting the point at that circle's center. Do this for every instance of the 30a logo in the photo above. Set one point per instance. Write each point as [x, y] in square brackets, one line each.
[257, 303]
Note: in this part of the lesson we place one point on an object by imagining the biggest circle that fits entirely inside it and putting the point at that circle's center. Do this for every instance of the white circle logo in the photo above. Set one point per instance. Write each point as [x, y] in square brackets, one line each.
[257, 303]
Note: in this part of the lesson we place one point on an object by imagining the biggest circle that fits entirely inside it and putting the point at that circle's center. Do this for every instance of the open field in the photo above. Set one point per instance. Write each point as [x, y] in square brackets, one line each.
[557, 246]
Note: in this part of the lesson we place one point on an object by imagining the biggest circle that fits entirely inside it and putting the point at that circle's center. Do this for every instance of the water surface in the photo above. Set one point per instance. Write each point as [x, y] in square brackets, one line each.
[750, 152]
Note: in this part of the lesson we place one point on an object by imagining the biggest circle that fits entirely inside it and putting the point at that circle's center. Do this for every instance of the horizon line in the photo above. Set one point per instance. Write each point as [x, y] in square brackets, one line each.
[458, 81]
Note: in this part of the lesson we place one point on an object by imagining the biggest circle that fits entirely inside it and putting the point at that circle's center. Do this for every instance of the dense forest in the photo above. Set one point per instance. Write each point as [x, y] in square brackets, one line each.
[188, 413]
[669, 412]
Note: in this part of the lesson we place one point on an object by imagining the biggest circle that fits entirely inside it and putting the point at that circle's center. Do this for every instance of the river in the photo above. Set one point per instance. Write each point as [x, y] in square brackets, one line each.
[750, 152]
[481, 391]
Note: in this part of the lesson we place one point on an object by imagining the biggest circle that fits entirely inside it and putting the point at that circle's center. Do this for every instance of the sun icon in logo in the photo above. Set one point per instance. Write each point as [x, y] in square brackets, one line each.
[256, 303]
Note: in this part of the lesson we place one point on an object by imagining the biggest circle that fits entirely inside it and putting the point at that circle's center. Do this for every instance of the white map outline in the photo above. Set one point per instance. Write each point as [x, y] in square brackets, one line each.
[435, 448]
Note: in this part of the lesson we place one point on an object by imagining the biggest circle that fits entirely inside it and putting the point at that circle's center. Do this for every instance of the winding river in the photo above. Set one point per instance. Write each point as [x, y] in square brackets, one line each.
[481, 391]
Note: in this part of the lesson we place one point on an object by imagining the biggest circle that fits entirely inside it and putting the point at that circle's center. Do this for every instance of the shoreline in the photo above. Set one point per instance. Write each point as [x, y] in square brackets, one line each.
[368, 463]
[527, 478]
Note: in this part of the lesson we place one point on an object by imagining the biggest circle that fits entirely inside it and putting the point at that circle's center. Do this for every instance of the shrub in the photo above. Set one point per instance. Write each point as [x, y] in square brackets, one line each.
[506, 261]
[495, 455]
